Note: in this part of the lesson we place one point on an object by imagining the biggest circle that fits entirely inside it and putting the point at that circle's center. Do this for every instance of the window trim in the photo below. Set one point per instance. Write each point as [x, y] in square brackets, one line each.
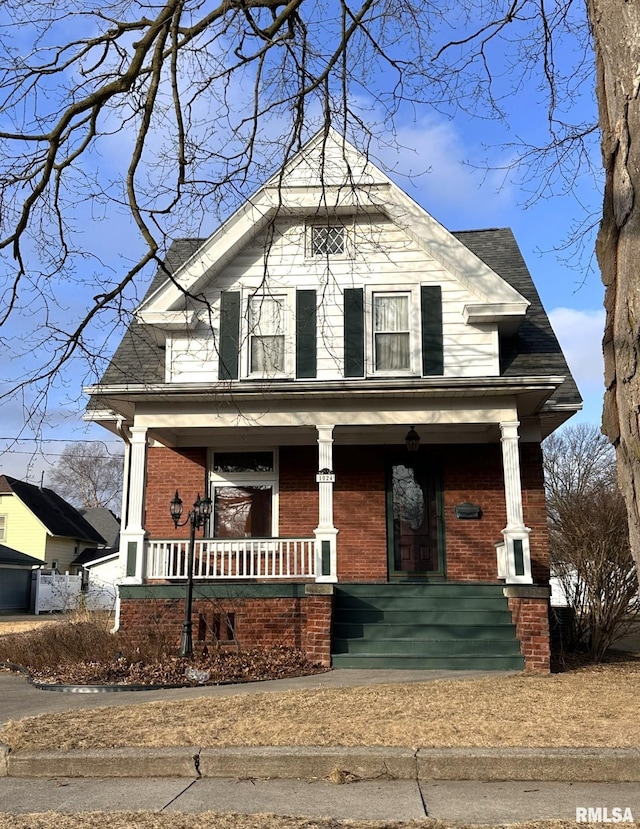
[414, 330]
[288, 335]
[238, 479]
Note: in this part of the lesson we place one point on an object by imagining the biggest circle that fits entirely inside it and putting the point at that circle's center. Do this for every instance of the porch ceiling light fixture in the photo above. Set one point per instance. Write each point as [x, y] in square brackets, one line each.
[196, 518]
[412, 440]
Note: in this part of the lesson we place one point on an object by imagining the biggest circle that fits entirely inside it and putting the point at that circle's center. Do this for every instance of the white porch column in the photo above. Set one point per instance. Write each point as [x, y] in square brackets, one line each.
[514, 560]
[325, 532]
[132, 537]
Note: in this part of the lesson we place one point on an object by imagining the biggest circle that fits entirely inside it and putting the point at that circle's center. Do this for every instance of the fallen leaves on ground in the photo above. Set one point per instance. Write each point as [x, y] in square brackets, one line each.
[222, 666]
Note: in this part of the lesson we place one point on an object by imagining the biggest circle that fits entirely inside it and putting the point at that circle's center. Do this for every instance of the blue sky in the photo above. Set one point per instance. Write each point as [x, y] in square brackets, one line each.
[443, 167]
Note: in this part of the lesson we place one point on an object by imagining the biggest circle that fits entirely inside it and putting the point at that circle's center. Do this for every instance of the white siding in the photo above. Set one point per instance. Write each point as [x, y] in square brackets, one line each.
[380, 256]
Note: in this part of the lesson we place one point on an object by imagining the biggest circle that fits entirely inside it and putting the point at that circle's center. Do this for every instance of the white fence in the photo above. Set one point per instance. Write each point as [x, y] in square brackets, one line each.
[55, 593]
[245, 558]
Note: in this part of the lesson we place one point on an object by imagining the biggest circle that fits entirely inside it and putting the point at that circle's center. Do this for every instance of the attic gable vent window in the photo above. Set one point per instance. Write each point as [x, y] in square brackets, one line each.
[327, 241]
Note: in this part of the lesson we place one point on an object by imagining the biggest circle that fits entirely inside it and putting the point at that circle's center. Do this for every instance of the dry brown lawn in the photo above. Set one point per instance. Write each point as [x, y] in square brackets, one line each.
[7, 627]
[211, 820]
[588, 707]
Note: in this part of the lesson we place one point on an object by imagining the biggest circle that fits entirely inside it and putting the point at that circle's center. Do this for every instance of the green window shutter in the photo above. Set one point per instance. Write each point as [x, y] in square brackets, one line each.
[229, 348]
[431, 313]
[353, 332]
[306, 355]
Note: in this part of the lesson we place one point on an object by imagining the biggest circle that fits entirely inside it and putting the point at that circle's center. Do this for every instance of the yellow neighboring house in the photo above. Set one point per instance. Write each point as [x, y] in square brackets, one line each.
[41, 524]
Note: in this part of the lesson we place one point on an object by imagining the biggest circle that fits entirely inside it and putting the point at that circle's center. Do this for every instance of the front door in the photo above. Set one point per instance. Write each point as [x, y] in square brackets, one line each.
[414, 518]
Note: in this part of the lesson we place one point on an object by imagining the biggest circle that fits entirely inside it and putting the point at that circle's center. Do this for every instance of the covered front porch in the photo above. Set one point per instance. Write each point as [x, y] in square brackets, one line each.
[311, 495]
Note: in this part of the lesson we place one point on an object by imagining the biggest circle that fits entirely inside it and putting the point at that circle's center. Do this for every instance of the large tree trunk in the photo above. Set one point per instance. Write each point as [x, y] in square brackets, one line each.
[616, 34]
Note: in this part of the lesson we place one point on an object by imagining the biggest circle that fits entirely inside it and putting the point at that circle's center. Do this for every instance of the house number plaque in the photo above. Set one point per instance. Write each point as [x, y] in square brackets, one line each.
[325, 477]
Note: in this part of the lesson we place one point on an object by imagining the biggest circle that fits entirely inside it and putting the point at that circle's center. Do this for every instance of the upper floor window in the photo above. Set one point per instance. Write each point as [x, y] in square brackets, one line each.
[267, 330]
[391, 332]
[3, 527]
[327, 240]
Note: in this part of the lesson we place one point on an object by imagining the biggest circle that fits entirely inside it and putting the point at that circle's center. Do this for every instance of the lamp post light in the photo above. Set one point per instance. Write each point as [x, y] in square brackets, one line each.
[196, 518]
[412, 440]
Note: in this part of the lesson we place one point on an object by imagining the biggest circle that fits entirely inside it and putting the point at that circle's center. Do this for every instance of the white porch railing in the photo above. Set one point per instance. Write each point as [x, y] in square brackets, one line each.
[230, 558]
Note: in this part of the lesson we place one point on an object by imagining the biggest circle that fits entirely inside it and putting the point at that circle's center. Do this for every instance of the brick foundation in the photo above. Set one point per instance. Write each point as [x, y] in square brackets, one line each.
[302, 622]
[530, 615]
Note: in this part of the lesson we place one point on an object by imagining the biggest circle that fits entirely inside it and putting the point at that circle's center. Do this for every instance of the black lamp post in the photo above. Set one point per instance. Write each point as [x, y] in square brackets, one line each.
[197, 517]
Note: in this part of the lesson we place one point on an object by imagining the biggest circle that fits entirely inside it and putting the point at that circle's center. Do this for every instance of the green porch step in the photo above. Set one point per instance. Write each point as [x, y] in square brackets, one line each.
[424, 626]
[373, 615]
[416, 602]
[428, 663]
[445, 632]
[428, 647]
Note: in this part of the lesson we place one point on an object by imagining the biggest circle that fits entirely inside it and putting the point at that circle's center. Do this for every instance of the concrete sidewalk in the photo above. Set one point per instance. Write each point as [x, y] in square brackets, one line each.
[19, 699]
[468, 802]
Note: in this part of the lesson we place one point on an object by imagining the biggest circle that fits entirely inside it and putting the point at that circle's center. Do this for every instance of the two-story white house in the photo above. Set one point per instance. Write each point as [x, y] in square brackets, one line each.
[362, 394]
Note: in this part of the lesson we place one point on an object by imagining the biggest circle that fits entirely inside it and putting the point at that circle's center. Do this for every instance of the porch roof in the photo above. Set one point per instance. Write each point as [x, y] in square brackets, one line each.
[458, 410]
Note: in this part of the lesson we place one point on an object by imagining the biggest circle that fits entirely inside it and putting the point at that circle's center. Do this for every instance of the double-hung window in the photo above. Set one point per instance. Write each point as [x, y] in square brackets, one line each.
[267, 332]
[3, 527]
[392, 331]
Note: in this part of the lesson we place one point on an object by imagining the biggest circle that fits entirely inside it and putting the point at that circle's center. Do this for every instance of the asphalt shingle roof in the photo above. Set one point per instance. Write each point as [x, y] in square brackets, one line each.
[105, 522]
[138, 358]
[533, 351]
[58, 516]
[10, 556]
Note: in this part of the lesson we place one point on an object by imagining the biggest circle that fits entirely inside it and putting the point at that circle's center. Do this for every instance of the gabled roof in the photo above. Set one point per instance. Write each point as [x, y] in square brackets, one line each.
[105, 522]
[92, 555]
[58, 516]
[9, 556]
[328, 175]
[533, 351]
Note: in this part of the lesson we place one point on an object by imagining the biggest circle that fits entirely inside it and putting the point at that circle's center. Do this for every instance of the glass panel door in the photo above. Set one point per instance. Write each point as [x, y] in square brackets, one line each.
[414, 520]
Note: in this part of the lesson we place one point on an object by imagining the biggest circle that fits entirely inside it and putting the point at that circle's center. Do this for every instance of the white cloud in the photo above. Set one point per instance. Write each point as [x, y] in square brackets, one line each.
[580, 335]
[429, 159]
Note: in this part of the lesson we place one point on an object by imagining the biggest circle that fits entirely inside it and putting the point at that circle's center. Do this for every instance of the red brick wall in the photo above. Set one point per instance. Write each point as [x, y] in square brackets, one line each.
[531, 618]
[303, 623]
[298, 491]
[358, 508]
[168, 470]
[359, 512]
[474, 473]
[471, 473]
